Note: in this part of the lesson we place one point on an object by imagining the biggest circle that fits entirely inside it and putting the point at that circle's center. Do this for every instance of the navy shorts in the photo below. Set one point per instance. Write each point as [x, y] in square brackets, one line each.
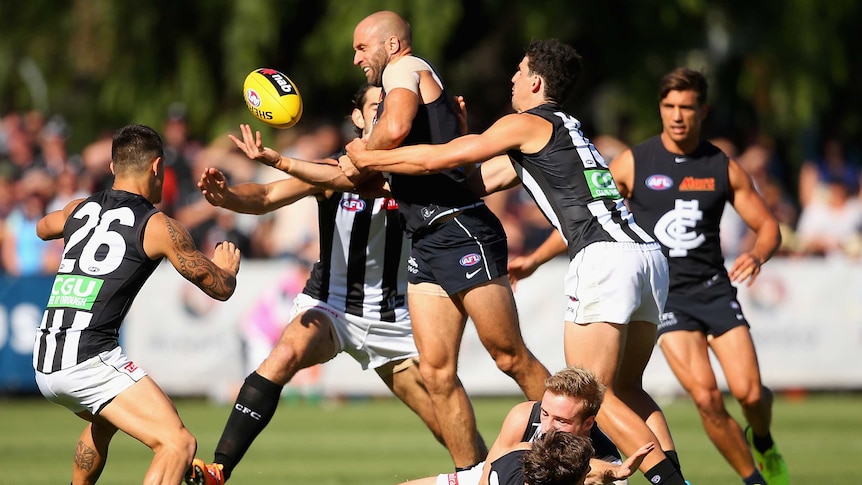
[709, 307]
[463, 252]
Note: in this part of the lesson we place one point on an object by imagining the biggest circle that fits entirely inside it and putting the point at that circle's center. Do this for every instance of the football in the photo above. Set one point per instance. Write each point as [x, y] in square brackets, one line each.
[272, 98]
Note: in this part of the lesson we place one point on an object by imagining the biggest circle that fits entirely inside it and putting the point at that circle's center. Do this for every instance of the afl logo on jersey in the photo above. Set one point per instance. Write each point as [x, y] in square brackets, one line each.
[659, 182]
[353, 205]
[470, 259]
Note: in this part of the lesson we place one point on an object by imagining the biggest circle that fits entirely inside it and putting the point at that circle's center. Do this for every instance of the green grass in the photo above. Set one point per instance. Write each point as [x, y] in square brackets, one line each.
[378, 441]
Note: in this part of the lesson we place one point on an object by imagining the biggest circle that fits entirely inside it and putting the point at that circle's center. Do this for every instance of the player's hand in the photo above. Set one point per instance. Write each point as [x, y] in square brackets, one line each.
[746, 266]
[357, 150]
[521, 267]
[347, 166]
[226, 256]
[253, 147]
[213, 185]
[632, 463]
[461, 114]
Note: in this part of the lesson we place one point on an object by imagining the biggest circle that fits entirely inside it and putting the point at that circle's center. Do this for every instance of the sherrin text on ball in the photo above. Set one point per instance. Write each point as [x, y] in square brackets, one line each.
[272, 98]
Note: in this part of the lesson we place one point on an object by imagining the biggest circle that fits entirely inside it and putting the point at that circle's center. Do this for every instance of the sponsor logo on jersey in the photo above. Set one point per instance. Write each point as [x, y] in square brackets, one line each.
[71, 291]
[130, 367]
[353, 205]
[412, 266]
[659, 182]
[281, 84]
[253, 98]
[471, 259]
[428, 211]
[680, 159]
[694, 184]
[391, 204]
[601, 184]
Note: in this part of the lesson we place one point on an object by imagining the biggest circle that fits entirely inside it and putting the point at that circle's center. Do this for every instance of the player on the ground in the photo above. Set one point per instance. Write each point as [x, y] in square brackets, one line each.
[557, 458]
[617, 279]
[354, 300]
[678, 185]
[114, 240]
[570, 403]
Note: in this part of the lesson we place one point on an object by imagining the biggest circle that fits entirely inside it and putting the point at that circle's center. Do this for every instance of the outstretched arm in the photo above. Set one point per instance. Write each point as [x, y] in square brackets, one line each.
[603, 472]
[252, 198]
[322, 173]
[217, 277]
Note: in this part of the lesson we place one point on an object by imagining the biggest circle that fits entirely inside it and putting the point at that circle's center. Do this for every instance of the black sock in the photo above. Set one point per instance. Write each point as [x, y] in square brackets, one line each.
[665, 473]
[763, 443]
[462, 468]
[754, 479]
[254, 407]
[673, 457]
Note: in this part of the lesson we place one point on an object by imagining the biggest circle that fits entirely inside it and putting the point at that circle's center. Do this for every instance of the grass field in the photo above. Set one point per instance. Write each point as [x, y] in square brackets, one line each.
[378, 441]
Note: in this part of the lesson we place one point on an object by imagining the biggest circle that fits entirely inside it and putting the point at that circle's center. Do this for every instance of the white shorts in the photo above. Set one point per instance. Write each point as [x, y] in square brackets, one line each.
[92, 384]
[466, 477]
[372, 343]
[617, 283]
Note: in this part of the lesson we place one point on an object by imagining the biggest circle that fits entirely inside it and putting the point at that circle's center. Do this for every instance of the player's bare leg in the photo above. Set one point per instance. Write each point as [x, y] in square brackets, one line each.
[598, 347]
[438, 325]
[404, 380]
[91, 452]
[144, 412]
[491, 306]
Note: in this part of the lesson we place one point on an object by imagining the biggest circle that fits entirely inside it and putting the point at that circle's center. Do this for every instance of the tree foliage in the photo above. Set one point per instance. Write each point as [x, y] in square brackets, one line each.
[784, 68]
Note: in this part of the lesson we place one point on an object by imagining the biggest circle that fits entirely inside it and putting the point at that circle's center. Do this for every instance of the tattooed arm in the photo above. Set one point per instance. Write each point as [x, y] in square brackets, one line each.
[217, 277]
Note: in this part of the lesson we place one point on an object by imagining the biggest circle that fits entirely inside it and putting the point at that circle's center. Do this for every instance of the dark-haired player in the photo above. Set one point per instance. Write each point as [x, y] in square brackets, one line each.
[678, 185]
[354, 300]
[114, 240]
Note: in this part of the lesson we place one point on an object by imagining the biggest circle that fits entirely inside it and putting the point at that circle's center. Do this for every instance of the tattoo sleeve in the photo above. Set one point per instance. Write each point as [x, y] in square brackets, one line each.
[196, 267]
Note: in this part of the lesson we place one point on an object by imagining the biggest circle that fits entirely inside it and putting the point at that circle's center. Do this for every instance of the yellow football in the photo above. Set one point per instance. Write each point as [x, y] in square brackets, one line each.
[272, 98]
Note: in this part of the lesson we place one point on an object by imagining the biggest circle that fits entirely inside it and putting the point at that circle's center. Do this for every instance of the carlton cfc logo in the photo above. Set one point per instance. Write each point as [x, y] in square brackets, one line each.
[470, 259]
[353, 205]
[659, 182]
[253, 98]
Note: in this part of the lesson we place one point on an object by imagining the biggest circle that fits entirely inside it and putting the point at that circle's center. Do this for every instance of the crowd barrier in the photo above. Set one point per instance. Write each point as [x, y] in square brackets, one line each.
[806, 318]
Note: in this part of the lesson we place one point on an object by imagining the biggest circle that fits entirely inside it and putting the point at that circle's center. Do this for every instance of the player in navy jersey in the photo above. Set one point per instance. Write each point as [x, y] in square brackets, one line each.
[571, 400]
[114, 240]
[354, 300]
[617, 280]
[678, 185]
[557, 458]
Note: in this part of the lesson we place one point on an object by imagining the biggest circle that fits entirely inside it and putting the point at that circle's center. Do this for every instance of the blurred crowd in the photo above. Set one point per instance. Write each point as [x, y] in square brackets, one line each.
[820, 216]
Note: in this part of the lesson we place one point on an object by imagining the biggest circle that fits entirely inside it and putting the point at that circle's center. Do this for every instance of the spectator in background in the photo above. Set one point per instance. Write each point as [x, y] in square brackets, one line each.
[831, 225]
[817, 176]
[180, 151]
[23, 253]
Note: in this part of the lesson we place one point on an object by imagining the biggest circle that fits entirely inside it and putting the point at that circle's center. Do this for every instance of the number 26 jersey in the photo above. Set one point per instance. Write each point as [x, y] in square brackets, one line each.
[103, 268]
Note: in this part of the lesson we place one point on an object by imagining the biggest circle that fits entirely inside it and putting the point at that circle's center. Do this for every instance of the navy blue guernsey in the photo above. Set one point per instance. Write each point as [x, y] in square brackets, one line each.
[363, 256]
[680, 200]
[104, 267]
[571, 183]
[424, 199]
[508, 469]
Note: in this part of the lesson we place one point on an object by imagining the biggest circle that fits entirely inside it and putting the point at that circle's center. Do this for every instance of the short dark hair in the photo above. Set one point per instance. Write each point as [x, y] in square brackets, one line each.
[684, 79]
[558, 458]
[359, 103]
[134, 147]
[559, 65]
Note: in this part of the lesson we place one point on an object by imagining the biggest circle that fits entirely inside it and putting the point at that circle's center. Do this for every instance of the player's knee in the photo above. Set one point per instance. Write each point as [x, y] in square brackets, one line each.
[438, 379]
[281, 364]
[708, 401]
[180, 443]
[753, 396]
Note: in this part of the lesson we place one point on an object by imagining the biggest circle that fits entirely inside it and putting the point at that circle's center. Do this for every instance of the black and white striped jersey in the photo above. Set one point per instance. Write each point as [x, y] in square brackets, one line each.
[363, 258]
[104, 267]
[571, 183]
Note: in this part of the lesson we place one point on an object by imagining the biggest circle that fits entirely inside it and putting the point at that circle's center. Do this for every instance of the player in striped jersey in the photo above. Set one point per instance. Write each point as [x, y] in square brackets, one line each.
[354, 300]
[618, 278]
[114, 240]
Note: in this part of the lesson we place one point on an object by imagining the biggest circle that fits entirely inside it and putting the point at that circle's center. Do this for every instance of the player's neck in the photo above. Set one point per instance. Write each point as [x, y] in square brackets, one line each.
[682, 147]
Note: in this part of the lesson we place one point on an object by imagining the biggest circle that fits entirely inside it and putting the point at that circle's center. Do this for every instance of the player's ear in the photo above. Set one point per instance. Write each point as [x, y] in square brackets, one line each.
[112, 168]
[158, 164]
[589, 422]
[358, 119]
